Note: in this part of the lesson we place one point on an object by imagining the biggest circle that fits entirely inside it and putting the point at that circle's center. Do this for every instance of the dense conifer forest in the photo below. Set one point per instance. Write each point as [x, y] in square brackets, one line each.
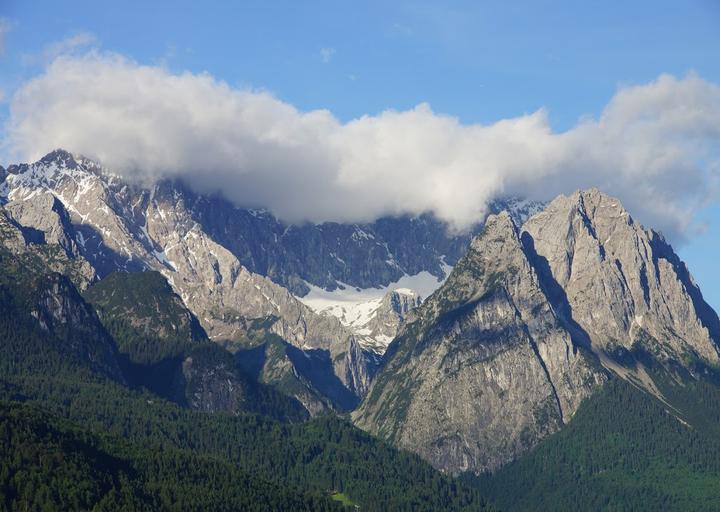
[74, 436]
[623, 450]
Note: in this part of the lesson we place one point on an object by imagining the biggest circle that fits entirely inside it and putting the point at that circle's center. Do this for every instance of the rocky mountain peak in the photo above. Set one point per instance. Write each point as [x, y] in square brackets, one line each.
[494, 258]
[619, 282]
[487, 355]
[61, 158]
[401, 301]
[519, 333]
[499, 224]
[116, 225]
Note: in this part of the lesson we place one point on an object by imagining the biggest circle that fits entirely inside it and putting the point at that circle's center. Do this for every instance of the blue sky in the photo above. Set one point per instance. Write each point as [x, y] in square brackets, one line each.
[478, 61]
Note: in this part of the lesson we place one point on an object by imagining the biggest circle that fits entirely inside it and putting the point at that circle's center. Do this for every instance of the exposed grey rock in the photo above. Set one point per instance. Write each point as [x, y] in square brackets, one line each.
[504, 352]
[486, 369]
[11, 235]
[621, 284]
[385, 321]
[45, 213]
[116, 226]
[30, 244]
[394, 308]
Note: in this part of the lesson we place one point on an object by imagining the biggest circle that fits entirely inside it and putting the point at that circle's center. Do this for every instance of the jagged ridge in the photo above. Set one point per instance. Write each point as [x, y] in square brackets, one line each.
[529, 323]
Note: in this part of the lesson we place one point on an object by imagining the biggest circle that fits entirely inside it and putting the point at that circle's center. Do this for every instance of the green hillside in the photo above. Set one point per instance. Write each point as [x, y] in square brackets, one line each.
[78, 421]
[623, 450]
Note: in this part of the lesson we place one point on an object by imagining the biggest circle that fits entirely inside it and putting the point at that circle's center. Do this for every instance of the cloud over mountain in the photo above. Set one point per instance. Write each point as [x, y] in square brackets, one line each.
[655, 145]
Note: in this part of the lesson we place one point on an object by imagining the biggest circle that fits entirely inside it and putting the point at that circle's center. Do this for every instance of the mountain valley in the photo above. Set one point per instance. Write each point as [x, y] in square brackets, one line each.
[395, 354]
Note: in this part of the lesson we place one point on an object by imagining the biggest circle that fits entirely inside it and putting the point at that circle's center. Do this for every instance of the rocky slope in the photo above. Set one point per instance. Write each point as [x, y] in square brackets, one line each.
[486, 369]
[208, 379]
[45, 321]
[374, 321]
[528, 324]
[622, 286]
[92, 216]
[225, 262]
[385, 321]
[331, 255]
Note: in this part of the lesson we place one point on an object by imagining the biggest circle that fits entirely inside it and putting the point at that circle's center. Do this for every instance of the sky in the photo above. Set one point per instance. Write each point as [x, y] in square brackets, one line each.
[347, 110]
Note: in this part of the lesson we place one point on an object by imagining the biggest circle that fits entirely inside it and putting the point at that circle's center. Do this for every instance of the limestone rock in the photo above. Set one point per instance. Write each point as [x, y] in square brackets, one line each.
[486, 369]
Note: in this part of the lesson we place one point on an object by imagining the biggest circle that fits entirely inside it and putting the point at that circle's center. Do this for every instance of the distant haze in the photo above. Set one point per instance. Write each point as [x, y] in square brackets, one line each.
[655, 146]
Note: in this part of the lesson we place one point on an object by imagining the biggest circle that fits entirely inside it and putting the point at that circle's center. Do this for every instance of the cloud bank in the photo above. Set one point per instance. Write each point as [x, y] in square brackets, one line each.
[655, 146]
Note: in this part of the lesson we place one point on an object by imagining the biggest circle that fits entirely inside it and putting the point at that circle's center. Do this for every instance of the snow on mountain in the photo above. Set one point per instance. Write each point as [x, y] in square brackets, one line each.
[357, 308]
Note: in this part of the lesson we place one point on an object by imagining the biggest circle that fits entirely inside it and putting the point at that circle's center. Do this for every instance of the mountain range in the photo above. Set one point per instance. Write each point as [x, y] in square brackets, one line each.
[475, 350]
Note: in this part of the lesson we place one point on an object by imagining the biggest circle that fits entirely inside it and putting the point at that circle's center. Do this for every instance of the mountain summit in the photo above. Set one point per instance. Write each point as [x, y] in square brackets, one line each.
[536, 314]
[530, 322]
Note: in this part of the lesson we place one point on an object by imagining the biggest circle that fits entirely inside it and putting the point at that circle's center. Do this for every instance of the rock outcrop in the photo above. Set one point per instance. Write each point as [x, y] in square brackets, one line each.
[528, 324]
[486, 369]
[73, 205]
[619, 283]
[62, 313]
[385, 321]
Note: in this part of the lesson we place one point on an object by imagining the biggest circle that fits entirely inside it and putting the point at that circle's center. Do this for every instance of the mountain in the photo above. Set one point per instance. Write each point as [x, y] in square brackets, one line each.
[115, 226]
[531, 322]
[374, 321]
[532, 350]
[623, 286]
[328, 255]
[75, 432]
[163, 348]
[230, 265]
[148, 321]
[488, 355]
[385, 321]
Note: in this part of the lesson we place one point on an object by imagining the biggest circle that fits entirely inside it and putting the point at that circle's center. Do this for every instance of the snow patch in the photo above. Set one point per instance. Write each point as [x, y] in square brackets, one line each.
[162, 258]
[355, 307]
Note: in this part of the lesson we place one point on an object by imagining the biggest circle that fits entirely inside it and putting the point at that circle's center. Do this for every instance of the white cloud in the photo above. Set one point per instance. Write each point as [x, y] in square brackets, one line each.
[327, 54]
[70, 45]
[655, 146]
[5, 27]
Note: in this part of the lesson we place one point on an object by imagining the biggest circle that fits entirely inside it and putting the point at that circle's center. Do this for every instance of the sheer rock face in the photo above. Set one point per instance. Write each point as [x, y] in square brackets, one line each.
[11, 235]
[504, 352]
[62, 313]
[486, 369]
[91, 215]
[30, 244]
[45, 213]
[394, 309]
[620, 283]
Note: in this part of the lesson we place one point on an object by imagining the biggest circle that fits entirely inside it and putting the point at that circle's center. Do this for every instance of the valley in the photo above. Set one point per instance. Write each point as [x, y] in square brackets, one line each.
[137, 337]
